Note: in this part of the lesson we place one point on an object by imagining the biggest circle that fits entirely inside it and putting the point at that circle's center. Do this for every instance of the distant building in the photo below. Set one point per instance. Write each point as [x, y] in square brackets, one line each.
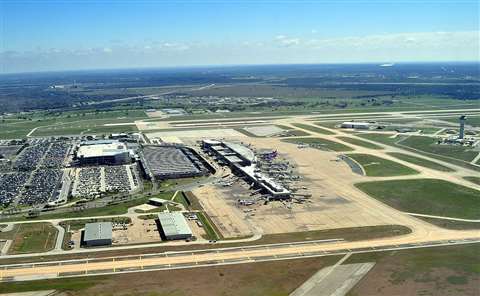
[355, 125]
[103, 152]
[461, 133]
[97, 234]
[174, 226]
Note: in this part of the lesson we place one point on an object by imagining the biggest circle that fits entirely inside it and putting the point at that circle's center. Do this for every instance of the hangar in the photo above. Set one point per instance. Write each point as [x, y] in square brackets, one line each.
[97, 234]
[174, 226]
[355, 124]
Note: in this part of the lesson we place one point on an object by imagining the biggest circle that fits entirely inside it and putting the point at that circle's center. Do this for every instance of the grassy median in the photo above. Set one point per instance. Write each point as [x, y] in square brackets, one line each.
[426, 196]
[379, 167]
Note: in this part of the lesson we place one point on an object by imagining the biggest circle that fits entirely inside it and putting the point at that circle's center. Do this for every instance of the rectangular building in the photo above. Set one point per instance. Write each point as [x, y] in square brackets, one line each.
[103, 152]
[174, 226]
[355, 125]
[97, 234]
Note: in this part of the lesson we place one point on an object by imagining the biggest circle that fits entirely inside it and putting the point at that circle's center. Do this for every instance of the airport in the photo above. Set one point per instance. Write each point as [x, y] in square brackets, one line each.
[201, 187]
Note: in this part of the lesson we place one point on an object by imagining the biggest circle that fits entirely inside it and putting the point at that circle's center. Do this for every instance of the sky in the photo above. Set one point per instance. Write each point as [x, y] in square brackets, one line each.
[76, 35]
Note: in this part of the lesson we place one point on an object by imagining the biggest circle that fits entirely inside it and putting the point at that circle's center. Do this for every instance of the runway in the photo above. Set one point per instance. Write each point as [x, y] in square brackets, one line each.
[202, 258]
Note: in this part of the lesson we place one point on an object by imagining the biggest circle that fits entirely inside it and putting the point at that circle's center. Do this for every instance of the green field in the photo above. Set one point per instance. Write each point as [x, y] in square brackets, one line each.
[211, 233]
[312, 128]
[66, 123]
[117, 208]
[445, 271]
[360, 143]
[426, 196]
[471, 120]
[420, 161]
[426, 146]
[31, 238]
[379, 167]
[430, 145]
[320, 143]
[475, 180]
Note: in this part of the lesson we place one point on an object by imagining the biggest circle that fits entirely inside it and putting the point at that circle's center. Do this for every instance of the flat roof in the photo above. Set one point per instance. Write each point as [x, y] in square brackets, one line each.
[98, 231]
[174, 224]
[242, 150]
[97, 150]
[356, 123]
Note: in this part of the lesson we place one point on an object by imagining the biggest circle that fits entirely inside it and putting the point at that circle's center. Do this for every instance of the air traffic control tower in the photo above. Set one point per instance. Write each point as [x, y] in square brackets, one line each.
[461, 133]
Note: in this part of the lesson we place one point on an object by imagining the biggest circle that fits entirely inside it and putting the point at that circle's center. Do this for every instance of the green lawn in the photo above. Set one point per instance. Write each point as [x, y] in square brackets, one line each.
[379, 167]
[475, 180]
[360, 143]
[427, 147]
[320, 143]
[111, 209]
[79, 224]
[31, 238]
[421, 162]
[211, 233]
[447, 270]
[430, 145]
[312, 128]
[69, 122]
[426, 196]
[471, 120]
[291, 132]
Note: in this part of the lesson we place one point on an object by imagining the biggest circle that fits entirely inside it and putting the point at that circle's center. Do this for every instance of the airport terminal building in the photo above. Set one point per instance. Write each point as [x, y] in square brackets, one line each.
[242, 160]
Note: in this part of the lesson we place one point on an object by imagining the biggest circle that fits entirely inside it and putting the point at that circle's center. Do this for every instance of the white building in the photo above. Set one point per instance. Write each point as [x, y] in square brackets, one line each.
[103, 152]
[355, 125]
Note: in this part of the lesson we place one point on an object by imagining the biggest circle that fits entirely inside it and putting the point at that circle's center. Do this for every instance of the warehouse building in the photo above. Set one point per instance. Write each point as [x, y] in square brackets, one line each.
[174, 226]
[103, 152]
[97, 234]
[355, 125]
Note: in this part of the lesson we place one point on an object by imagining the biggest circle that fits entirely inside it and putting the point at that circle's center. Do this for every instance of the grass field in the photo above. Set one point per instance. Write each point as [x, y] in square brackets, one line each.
[360, 143]
[59, 123]
[79, 224]
[426, 196]
[348, 234]
[320, 143]
[379, 167]
[31, 238]
[475, 180]
[439, 271]
[112, 209]
[420, 161]
[211, 233]
[312, 128]
[293, 132]
[471, 120]
[448, 151]
[278, 278]
[429, 145]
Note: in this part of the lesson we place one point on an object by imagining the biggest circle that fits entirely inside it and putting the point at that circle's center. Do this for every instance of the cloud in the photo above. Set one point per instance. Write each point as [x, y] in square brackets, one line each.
[398, 47]
[286, 41]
